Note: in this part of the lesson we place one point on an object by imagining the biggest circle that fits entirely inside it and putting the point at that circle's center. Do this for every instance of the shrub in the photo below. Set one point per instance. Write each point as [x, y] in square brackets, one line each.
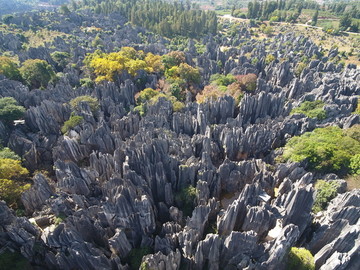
[145, 95]
[214, 91]
[9, 110]
[152, 96]
[186, 198]
[174, 58]
[11, 190]
[7, 153]
[269, 58]
[312, 109]
[37, 73]
[355, 165]
[9, 69]
[11, 169]
[247, 82]
[300, 259]
[220, 79]
[93, 102]
[325, 192]
[73, 121]
[11, 184]
[184, 72]
[87, 82]
[325, 149]
[299, 68]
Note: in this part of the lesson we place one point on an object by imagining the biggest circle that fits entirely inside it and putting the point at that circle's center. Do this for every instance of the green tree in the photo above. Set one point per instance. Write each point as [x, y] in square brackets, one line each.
[146, 95]
[9, 69]
[174, 58]
[9, 110]
[37, 73]
[345, 21]
[61, 59]
[64, 9]
[315, 18]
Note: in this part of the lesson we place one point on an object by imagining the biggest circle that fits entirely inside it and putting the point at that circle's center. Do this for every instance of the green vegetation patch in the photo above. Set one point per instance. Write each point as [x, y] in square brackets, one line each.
[186, 199]
[12, 176]
[8, 153]
[9, 69]
[9, 110]
[325, 192]
[230, 85]
[325, 150]
[355, 165]
[312, 109]
[37, 73]
[300, 259]
[73, 121]
[93, 102]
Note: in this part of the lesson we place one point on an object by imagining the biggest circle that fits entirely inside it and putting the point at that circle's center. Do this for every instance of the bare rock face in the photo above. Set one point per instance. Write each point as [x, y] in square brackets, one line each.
[18, 233]
[297, 204]
[336, 242]
[208, 252]
[234, 216]
[36, 196]
[281, 246]
[163, 262]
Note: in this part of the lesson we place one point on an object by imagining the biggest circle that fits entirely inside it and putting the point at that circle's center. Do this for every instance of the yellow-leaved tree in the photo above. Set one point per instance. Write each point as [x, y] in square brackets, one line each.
[12, 176]
[107, 66]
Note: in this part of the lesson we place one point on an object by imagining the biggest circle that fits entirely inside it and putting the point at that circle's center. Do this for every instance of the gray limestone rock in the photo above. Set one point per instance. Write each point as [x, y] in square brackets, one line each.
[34, 198]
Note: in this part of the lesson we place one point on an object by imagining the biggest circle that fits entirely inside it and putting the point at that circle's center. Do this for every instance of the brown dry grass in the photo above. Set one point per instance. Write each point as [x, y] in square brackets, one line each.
[353, 182]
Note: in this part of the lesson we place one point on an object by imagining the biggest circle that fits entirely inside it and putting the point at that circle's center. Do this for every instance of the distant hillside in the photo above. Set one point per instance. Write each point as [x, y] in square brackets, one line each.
[11, 6]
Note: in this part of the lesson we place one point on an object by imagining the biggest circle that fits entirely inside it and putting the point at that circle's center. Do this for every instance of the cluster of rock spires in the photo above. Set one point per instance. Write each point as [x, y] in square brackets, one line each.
[117, 176]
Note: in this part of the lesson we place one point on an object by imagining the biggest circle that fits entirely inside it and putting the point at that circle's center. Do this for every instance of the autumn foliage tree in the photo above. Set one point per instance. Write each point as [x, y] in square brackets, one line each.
[107, 67]
[222, 85]
[12, 185]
